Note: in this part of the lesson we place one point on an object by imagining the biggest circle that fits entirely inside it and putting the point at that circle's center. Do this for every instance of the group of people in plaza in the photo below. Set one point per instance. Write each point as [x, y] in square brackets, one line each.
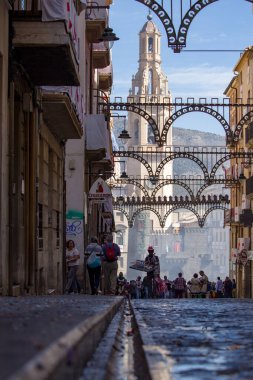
[103, 259]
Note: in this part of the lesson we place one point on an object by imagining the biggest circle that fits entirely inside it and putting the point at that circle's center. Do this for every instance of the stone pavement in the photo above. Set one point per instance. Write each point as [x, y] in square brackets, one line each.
[29, 324]
[187, 339]
[198, 339]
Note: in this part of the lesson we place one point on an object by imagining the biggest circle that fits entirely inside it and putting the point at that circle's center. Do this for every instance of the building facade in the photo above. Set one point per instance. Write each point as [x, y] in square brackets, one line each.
[43, 156]
[240, 91]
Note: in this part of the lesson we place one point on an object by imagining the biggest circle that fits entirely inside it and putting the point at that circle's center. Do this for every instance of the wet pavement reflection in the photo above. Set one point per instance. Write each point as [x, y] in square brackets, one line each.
[205, 338]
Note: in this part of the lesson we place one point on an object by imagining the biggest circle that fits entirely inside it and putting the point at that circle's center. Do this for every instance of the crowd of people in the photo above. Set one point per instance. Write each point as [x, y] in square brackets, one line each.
[198, 287]
[104, 259]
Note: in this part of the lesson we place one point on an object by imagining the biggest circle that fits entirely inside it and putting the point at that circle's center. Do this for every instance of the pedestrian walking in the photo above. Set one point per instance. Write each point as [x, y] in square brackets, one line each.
[132, 289]
[228, 286]
[145, 287]
[94, 252]
[138, 283]
[73, 261]
[111, 252]
[153, 264]
[219, 287]
[179, 286]
[233, 288]
[160, 287]
[121, 282]
[167, 287]
[194, 286]
[203, 283]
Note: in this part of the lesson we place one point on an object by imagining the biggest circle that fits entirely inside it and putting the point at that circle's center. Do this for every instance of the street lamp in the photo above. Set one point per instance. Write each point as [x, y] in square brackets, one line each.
[153, 180]
[124, 175]
[120, 200]
[242, 179]
[124, 135]
[108, 37]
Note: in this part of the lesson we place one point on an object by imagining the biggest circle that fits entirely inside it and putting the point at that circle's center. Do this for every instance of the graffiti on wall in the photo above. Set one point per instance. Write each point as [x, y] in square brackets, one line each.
[74, 229]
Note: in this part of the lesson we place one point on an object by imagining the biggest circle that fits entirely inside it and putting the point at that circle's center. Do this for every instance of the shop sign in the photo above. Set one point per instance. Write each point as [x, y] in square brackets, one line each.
[99, 191]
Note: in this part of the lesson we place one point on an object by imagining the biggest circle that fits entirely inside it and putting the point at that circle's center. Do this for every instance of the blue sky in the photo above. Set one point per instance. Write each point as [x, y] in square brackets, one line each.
[225, 24]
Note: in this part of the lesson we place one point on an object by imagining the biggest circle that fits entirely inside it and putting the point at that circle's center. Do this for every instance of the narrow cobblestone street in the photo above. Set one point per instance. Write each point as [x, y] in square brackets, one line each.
[185, 339]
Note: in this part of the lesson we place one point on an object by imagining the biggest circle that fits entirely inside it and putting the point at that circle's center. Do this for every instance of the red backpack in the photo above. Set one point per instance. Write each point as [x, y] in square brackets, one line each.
[110, 253]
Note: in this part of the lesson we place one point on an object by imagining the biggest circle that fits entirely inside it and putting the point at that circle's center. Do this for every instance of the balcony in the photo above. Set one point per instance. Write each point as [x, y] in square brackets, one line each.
[43, 42]
[249, 136]
[61, 115]
[96, 19]
[105, 78]
[101, 56]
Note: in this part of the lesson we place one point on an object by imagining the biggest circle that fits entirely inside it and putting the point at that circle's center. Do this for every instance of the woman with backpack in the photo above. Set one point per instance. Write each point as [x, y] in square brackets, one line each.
[94, 252]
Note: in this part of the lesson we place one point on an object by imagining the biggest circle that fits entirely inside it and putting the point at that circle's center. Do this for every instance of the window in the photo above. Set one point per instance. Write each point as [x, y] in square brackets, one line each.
[150, 81]
[136, 131]
[120, 238]
[150, 135]
[121, 262]
[150, 45]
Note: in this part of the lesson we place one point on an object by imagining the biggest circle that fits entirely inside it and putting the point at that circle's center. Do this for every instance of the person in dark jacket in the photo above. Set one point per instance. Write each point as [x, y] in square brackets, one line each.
[152, 265]
[228, 286]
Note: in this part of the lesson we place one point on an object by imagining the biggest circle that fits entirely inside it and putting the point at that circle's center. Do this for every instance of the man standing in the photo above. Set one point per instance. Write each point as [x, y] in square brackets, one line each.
[153, 264]
[219, 287]
[228, 286]
[180, 286]
[111, 252]
[203, 283]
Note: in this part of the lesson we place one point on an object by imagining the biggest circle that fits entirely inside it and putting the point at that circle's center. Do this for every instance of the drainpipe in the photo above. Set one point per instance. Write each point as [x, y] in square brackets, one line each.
[64, 269]
[11, 185]
[10, 249]
[91, 79]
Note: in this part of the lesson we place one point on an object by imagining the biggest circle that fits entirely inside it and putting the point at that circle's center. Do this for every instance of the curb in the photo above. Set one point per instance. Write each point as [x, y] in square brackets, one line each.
[66, 357]
[158, 360]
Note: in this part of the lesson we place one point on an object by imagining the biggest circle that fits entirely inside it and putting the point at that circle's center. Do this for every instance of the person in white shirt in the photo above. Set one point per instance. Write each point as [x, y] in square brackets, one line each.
[219, 287]
[72, 259]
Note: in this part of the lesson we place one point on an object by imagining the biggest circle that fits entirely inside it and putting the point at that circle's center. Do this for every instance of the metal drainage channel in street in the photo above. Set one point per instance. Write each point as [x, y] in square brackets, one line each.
[119, 355]
[103, 347]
